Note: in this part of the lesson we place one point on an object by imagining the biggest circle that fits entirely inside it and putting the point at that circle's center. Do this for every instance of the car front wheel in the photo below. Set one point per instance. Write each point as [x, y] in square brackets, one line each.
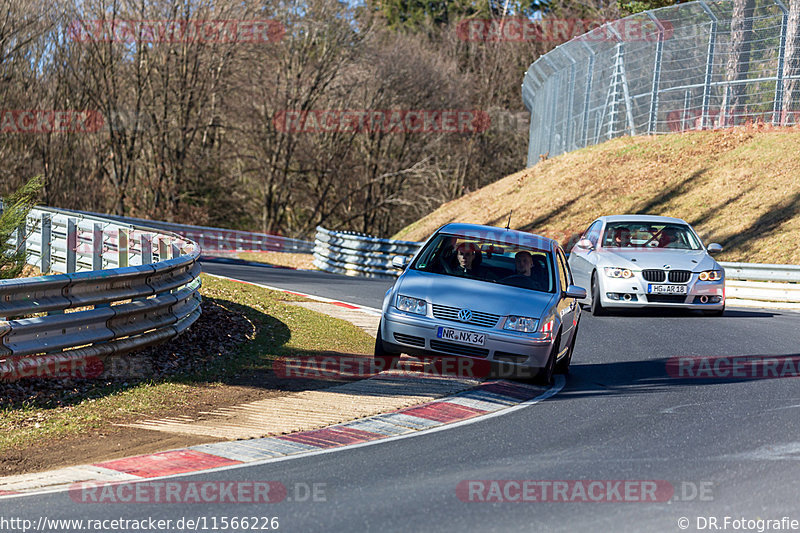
[597, 305]
[545, 375]
[384, 360]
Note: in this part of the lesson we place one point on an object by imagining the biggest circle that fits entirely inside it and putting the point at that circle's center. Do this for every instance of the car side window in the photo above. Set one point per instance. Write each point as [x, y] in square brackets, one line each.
[565, 266]
[593, 233]
[562, 271]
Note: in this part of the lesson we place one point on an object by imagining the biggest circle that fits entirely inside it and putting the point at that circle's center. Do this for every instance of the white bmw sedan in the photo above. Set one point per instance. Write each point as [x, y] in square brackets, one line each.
[639, 261]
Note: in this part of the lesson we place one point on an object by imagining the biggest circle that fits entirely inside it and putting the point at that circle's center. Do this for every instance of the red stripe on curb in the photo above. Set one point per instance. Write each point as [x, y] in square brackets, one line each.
[444, 412]
[332, 437]
[9, 492]
[346, 306]
[508, 389]
[166, 463]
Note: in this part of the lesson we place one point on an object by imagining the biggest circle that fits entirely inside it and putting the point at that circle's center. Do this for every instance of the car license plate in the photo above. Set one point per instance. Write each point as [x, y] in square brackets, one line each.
[666, 289]
[464, 337]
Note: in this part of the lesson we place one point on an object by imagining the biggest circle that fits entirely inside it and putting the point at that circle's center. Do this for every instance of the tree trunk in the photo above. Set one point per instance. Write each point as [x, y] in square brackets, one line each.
[791, 66]
[738, 60]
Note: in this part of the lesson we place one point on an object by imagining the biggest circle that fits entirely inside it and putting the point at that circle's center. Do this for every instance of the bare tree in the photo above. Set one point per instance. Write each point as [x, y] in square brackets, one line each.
[738, 63]
[791, 67]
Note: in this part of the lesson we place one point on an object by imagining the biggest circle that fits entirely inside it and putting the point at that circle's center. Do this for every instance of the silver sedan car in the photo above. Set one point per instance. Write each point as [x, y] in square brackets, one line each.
[484, 293]
[639, 261]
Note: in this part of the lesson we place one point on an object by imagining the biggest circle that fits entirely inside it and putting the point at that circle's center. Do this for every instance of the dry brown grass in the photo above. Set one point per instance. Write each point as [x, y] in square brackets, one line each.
[285, 259]
[738, 187]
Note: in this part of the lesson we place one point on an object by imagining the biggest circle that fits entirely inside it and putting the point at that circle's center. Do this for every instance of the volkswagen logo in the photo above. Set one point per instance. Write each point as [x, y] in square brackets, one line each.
[465, 315]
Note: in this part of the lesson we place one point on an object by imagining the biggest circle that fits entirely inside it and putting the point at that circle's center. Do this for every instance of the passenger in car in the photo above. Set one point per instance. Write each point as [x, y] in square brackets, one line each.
[468, 262]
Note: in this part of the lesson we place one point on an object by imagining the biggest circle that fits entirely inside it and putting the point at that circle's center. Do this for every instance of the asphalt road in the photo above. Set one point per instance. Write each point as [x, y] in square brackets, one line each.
[728, 447]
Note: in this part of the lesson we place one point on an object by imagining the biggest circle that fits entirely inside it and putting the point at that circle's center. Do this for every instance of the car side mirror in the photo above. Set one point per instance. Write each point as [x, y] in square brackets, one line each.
[714, 248]
[400, 262]
[585, 244]
[573, 291]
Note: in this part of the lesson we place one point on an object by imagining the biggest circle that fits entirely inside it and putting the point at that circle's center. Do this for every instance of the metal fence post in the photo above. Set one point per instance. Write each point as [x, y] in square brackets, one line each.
[623, 80]
[653, 117]
[21, 230]
[122, 247]
[72, 245]
[569, 143]
[588, 94]
[147, 248]
[712, 41]
[97, 246]
[162, 249]
[47, 235]
[777, 106]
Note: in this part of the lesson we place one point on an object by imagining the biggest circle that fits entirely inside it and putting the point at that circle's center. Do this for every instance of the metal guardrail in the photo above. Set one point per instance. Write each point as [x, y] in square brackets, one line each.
[216, 240]
[355, 254]
[117, 288]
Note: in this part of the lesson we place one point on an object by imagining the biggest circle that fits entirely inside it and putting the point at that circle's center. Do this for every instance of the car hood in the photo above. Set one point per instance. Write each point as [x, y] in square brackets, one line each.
[641, 258]
[482, 296]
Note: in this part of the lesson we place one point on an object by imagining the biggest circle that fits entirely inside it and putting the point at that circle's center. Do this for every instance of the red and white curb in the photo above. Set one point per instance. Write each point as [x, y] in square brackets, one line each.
[489, 399]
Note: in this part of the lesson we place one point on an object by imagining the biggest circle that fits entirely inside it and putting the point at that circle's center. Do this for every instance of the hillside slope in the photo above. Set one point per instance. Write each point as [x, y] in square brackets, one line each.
[740, 188]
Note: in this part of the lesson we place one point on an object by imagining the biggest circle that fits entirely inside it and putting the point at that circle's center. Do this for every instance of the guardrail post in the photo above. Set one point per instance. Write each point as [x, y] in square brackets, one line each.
[777, 110]
[47, 235]
[147, 248]
[162, 249]
[653, 119]
[176, 250]
[712, 41]
[122, 247]
[97, 246]
[72, 245]
[21, 237]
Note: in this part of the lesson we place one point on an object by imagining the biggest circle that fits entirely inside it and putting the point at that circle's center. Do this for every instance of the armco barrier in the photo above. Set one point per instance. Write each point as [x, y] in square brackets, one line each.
[219, 240]
[117, 288]
[353, 254]
[356, 254]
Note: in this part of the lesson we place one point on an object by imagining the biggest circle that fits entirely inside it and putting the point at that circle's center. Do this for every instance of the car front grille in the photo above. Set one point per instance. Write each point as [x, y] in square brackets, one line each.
[459, 349]
[679, 276]
[410, 339]
[666, 298]
[656, 276]
[486, 320]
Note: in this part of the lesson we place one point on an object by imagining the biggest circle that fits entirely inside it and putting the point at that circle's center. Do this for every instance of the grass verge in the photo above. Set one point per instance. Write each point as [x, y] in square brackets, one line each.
[226, 356]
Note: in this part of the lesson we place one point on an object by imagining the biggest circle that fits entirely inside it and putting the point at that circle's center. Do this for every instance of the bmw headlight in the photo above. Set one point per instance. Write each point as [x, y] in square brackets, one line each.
[521, 323]
[411, 305]
[711, 275]
[614, 272]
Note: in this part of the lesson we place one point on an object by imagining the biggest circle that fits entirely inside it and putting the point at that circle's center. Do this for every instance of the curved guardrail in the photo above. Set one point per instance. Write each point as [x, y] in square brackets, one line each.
[118, 288]
[356, 254]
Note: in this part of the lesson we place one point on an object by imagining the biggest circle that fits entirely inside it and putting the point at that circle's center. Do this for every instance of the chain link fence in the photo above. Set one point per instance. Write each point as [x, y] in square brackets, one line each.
[685, 67]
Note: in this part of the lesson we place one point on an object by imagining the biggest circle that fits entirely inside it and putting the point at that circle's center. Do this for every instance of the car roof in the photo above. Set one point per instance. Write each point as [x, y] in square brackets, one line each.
[652, 219]
[502, 235]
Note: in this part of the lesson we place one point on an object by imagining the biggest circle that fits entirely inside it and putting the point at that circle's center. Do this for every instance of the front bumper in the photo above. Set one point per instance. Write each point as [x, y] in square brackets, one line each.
[417, 335]
[633, 293]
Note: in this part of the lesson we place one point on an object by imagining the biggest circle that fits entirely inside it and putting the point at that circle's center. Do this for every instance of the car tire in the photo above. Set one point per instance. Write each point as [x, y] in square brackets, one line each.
[597, 305]
[384, 360]
[562, 367]
[545, 375]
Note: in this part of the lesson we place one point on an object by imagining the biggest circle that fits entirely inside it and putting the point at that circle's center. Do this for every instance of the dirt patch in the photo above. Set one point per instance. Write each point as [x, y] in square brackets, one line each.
[285, 259]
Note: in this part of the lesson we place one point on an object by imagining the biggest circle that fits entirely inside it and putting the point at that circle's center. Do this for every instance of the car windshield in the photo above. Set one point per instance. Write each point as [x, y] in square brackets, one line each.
[486, 260]
[646, 235]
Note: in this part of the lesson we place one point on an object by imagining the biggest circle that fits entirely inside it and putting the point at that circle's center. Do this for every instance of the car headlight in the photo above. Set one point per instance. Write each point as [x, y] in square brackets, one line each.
[614, 272]
[521, 323]
[411, 305]
[711, 275]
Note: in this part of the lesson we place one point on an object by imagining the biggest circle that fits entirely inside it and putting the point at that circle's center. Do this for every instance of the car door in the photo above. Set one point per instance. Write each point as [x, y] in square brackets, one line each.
[566, 306]
[582, 260]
